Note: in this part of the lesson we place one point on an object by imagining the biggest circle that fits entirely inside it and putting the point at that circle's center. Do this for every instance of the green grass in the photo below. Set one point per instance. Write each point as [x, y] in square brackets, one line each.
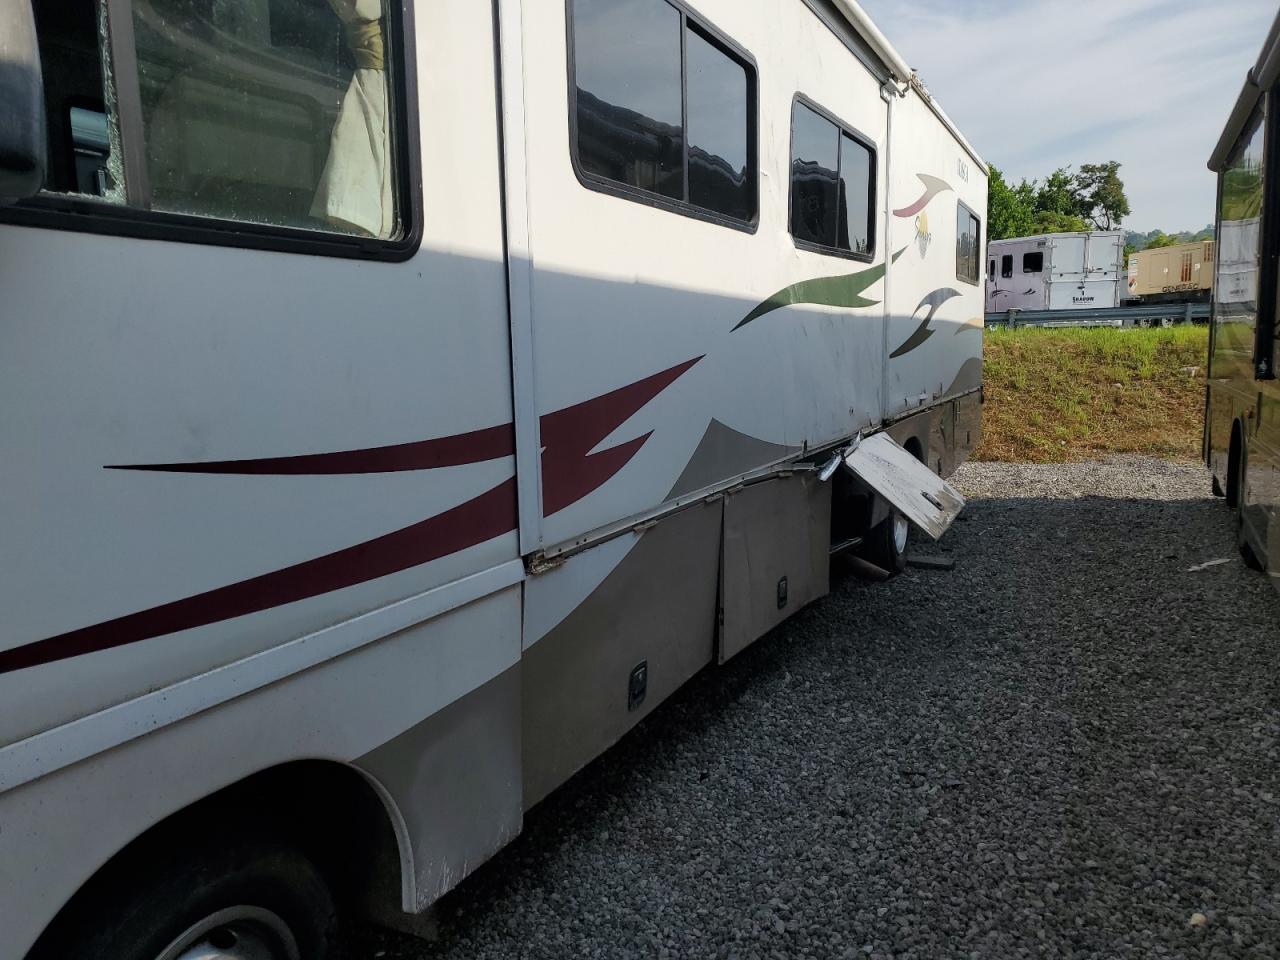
[1086, 393]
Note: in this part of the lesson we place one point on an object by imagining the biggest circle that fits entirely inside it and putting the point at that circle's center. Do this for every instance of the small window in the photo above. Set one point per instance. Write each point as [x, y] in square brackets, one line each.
[991, 270]
[1006, 266]
[1033, 262]
[968, 244]
[664, 110]
[273, 113]
[833, 185]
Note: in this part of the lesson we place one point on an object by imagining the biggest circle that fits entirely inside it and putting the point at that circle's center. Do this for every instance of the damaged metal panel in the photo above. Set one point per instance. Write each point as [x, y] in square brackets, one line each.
[776, 558]
[892, 471]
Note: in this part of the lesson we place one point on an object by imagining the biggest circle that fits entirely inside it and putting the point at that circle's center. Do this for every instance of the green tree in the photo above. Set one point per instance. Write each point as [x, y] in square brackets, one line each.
[1100, 196]
[1159, 238]
[1009, 209]
[1057, 196]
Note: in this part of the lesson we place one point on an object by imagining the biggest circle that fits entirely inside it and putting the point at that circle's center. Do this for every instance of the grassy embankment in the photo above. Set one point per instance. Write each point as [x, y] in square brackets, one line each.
[1085, 394]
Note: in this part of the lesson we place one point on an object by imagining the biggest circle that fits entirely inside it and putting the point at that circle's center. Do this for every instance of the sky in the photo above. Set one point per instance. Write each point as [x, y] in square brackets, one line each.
[1040, 84]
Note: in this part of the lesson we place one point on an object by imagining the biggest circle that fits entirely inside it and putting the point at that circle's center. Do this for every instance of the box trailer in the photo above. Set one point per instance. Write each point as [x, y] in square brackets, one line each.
[1056, 271]
[1242, 418]
[1177, 274]
[403, 399]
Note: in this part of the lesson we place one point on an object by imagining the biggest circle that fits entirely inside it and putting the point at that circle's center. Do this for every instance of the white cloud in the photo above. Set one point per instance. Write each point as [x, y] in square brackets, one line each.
[1043, 84]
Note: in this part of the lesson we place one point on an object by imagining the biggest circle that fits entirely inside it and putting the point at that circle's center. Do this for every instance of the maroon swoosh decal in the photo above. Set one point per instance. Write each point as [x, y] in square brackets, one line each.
[932, 187]
[569, 470]
[477, 521]
[479, 446]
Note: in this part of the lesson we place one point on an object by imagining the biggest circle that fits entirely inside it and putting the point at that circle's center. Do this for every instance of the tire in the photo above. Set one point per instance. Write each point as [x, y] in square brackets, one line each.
[1247, 553]
[231, 897]
[1217, 488]
[887, 544]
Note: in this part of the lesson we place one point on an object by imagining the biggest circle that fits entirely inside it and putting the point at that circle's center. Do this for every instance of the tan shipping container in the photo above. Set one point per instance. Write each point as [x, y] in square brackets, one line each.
[1168, 272]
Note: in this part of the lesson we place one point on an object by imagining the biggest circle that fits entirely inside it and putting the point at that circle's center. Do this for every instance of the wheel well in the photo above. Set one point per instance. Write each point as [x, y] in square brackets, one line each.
[328, 810]
[914, 447]
[1234, 464]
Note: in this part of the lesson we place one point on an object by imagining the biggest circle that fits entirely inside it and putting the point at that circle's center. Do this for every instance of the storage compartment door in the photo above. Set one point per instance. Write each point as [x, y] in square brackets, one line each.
[1067, 256]
[776, 556]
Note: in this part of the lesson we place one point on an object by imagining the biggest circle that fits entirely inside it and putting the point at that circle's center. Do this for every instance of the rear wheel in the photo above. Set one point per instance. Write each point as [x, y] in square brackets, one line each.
[886, 544]
[241, 901]
[1247, 553]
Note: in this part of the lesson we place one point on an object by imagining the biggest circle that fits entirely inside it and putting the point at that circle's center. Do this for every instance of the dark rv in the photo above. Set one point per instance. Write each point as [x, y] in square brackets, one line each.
[1242, 425]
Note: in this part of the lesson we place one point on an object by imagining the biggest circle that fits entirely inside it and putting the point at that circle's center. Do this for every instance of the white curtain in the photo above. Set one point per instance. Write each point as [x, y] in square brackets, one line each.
[355, 188]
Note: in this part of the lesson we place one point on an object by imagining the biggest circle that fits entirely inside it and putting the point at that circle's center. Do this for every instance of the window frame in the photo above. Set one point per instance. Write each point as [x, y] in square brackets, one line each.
[690, 19]
[81, 214]
[873, 187]
[976, 280]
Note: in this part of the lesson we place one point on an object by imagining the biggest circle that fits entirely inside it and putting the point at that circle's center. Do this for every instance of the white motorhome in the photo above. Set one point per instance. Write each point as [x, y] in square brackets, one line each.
[401, 401]
[1056, 271]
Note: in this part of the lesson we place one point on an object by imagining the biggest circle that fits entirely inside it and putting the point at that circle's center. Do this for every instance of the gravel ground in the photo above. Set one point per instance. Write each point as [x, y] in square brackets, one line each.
[1068, 746]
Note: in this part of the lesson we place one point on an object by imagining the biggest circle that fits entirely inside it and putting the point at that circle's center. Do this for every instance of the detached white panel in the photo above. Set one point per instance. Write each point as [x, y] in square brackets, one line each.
[892, 471]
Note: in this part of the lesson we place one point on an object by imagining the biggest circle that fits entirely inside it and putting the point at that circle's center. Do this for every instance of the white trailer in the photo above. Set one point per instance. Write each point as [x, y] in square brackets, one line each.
[402, 400]
[1056, 271]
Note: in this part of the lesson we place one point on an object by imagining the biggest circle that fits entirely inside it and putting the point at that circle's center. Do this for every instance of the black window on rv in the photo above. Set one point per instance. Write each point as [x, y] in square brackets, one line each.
[968, 245]
[833, 181]
[1006, 266]
[1033, 262]
[272, 113]
[663, 110]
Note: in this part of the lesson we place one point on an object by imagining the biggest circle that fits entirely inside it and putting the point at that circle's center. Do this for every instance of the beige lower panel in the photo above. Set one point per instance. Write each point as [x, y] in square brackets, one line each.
[774, 530]
[658, 606]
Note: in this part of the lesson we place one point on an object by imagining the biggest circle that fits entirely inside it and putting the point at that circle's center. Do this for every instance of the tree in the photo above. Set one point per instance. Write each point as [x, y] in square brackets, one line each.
[1159, 238]
[1009, 210]
[1100, 195]
[1058, 196]
[1064, 202]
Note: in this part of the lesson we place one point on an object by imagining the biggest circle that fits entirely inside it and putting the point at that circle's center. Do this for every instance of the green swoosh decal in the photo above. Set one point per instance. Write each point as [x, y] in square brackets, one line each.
[844, 291]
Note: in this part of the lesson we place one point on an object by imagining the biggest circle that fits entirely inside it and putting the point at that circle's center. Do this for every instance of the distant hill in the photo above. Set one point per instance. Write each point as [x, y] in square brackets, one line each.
[1140, 241]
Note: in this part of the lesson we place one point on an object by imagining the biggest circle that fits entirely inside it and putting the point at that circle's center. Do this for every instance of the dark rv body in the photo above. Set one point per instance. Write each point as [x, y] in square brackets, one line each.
[1242, 424]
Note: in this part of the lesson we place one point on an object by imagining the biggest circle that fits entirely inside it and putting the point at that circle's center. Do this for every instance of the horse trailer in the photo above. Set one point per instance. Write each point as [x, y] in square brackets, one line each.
[1055, 271]
[425, 391]
[1242, 420]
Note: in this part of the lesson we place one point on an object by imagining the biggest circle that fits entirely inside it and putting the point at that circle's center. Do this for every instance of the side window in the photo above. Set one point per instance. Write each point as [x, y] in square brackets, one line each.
[275, 113]
[1033, 262]
[833, 185]
[1006, 266]
[662, 108]
[991, 270]
[968, 244]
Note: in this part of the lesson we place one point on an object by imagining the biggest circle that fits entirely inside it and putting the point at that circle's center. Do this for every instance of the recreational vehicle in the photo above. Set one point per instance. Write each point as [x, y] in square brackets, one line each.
[1055, 271]
[403, 399]
[1242, 422]
[1179, 274]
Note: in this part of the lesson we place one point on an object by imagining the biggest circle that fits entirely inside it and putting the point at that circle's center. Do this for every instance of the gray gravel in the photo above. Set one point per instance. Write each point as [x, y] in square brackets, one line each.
[1068, 746]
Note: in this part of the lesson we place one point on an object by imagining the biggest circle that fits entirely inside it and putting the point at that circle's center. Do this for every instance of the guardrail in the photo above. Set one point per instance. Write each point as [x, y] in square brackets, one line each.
[1103, 317]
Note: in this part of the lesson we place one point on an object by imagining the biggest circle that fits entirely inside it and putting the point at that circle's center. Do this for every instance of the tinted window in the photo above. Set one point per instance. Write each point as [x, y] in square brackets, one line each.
[1006, 266]
[271, 112]
[855, 196]
[815, 163]
[968, 245]
[630, 127]
[833, 176]
[650, 121]
[718, 130]
[1033, 262]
